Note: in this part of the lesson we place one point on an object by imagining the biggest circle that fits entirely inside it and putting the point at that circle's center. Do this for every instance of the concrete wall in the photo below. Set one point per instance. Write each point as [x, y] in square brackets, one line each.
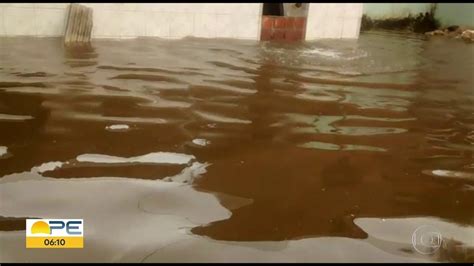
[25, 19]
[121, 20]
[394, 10]
[455, 14]
[117, 20]
[333, 21]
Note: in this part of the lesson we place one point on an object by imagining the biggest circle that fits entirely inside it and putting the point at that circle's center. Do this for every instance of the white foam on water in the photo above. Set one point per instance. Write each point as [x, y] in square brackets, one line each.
[400, 230]
[49, 166]
[189, 173]
[3, 150]
[340, 55]
[450, 174]
[321, 249]
[119, 127]
[125, 219]
[136, 220]
[221, 119]
[163, 103]
[361, 55]
[324, 52]
[34, 90]
[15, 117]
[155, 157]
[119, 119]
[116, 226]
[201, 142]
[335, 147]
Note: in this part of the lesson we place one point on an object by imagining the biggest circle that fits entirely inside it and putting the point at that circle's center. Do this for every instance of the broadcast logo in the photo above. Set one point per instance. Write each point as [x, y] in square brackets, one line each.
[426, 239]
[54, 233]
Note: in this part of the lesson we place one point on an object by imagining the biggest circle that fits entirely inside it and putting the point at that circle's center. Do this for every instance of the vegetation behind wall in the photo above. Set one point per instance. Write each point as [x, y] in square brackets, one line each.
[421, 23]
[418, 16]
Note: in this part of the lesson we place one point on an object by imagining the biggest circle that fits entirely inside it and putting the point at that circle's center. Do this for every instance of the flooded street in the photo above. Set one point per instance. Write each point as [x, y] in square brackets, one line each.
[226, 150]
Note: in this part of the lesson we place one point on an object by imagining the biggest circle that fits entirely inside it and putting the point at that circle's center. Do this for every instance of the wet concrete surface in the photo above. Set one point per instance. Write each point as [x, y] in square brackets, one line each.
[239, 147]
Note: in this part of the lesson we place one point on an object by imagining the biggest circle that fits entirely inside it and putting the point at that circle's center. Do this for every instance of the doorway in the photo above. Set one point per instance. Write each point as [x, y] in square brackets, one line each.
[273, 9]
[284, 22]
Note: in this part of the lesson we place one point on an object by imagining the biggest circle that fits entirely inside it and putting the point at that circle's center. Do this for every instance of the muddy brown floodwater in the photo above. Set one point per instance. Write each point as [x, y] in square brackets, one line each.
[223, 150]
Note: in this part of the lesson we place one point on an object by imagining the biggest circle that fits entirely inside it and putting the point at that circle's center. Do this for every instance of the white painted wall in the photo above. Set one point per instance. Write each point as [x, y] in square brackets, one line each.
[333, 21]
[27, 19]
[214, 20]
[121, 20]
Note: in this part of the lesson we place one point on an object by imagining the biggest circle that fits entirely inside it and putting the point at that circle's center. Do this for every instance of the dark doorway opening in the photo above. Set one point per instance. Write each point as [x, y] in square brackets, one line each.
[273, 9]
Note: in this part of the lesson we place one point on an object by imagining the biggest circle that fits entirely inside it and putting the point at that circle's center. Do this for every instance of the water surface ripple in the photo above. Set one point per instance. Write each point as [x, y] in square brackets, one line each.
[266, 143]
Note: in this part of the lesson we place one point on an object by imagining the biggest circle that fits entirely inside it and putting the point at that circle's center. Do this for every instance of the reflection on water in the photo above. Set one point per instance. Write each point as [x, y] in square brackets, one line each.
[254, 151]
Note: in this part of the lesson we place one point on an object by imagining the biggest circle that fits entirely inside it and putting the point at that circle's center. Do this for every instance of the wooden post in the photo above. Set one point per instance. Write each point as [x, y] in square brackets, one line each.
[79, 25]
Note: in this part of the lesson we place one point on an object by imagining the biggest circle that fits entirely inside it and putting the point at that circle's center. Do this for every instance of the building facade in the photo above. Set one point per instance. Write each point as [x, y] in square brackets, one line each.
[174, 21]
